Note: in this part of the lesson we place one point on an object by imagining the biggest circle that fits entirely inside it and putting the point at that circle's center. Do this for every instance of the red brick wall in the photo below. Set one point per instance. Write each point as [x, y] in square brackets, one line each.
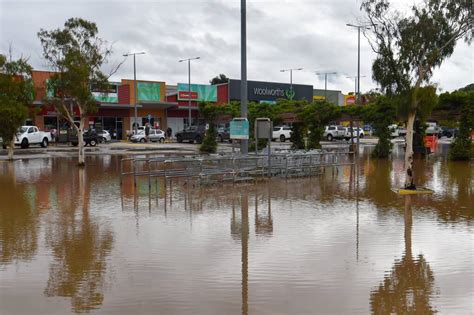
[223, 94]
[39, 83]
[124, 94]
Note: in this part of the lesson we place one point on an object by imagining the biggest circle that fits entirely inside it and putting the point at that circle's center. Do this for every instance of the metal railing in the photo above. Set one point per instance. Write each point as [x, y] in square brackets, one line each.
[234, 167]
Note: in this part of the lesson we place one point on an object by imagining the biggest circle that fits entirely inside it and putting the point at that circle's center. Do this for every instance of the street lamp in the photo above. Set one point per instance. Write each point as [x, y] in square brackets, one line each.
[355, 82]
[135, 86]
[291, 75]
[359, 27]
[244, 144]
[325, 82]
[189, 86]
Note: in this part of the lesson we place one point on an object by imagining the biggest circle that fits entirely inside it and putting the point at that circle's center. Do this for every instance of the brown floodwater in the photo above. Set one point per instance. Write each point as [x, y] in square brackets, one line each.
[74, 241]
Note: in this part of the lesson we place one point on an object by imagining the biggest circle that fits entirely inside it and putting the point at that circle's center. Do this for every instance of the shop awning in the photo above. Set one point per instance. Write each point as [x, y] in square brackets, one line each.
[159, 105]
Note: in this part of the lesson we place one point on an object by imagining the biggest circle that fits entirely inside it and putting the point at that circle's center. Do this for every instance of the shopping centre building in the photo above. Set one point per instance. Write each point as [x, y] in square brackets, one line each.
[159, 104]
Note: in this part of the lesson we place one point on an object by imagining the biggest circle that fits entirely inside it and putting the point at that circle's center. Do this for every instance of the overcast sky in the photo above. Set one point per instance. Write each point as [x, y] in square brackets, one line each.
[281, 34]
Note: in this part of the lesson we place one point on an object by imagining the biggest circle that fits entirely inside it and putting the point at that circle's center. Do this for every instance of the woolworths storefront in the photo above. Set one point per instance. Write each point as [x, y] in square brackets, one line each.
[270, 92]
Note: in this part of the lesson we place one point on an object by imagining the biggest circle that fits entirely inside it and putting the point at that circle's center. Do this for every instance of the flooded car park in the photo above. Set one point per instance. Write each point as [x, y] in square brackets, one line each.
[74, 241]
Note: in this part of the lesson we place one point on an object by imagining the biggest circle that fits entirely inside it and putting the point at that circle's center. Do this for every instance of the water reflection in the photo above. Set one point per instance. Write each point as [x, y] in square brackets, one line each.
[80, 247]
[409, 286]
[244, 202]
[18, 219]
[263, 219]
[280, 246]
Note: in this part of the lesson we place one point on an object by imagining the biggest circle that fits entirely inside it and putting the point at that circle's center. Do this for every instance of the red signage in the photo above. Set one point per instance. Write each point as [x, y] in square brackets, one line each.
[185, 95]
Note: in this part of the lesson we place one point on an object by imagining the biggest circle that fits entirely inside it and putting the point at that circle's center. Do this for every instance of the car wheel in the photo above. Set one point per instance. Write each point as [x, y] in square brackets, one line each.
[330, 137]
[198, 140]
[282, 138]
[361, 135]
[142, 140]
[179, 139]
[24, 144]
[162, 140]
[74, 144]
[44, 143]
[93, 142]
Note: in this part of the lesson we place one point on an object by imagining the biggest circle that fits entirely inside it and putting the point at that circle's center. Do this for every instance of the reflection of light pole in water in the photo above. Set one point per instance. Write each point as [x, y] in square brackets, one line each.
[244, 240]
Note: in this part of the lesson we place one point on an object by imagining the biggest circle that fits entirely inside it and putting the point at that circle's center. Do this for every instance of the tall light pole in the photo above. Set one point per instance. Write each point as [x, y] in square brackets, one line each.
[189, 86]
[135, 123]
[359, 27]
[244, 144]
[355, 82]
[291, 74]
[325, 82]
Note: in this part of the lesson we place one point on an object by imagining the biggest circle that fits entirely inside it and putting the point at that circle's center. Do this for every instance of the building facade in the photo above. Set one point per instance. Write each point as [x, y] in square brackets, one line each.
[116, 107]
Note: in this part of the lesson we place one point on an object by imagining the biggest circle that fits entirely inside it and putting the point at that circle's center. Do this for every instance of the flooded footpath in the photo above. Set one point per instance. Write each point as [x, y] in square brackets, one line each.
[74, 241]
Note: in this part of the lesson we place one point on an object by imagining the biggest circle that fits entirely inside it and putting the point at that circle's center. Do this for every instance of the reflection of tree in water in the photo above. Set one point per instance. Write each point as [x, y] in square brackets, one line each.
[18, 222]
[80, 249]
[410, 284]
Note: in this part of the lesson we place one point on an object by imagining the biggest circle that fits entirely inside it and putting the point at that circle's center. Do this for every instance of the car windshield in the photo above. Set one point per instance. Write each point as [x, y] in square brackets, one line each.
[23, 129]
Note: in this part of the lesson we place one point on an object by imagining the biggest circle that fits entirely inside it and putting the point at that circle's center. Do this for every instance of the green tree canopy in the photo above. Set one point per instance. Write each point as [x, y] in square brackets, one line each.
[76, 53]
[16, 93]
[409, 47]
[221, 78]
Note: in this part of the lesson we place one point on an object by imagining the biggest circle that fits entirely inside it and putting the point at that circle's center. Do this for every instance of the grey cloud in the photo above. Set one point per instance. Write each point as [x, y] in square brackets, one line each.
[281, 34]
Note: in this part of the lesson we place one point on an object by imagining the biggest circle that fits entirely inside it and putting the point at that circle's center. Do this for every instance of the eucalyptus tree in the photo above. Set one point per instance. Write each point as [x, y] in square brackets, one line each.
[410, 47]
[16, 93]
[76, 54]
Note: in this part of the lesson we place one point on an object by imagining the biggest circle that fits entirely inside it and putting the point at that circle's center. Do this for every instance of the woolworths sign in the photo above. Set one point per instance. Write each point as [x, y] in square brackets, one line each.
[269, 91]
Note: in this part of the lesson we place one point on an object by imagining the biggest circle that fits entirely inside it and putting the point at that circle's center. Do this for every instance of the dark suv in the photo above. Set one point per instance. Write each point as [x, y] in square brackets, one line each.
[90, 138]
[191, 134]
[223, 134]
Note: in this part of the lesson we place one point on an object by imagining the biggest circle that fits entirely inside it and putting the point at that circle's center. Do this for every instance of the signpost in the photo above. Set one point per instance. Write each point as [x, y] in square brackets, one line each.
[263, 130]
[239, 129]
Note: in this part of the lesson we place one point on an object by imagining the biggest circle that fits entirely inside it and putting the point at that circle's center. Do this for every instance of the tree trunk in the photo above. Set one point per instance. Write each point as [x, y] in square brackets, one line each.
[10, 149]
[409, 152]
[80, 141]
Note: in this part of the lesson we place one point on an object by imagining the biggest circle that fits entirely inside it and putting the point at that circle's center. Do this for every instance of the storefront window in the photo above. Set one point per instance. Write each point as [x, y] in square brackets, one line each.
[50, 122]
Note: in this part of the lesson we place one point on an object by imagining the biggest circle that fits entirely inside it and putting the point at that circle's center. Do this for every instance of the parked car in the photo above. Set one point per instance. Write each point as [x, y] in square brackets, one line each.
[368, 130]
[334, 132]
[155, 135]
[433, 130]
[356, 131]
[223, 134]
[104, 136]
[449, 132]
[90, 137]
[394, 131]
[27, 135]
[402, 132]
[282, 133]
[191, 134]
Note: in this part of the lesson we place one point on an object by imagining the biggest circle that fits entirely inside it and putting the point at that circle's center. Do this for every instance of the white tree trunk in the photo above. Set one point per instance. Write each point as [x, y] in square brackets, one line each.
[80, 141]
[10, 149]
[409, 152]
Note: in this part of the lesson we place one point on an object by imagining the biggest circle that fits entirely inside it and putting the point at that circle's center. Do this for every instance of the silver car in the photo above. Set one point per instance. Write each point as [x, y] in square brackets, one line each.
[156, 135]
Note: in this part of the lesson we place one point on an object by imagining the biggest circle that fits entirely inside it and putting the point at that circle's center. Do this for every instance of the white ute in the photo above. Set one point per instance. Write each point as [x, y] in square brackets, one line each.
[27, 135]
[282, 133]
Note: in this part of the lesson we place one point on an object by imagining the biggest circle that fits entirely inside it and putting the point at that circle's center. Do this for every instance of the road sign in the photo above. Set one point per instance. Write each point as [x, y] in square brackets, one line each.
[239, 129]
[263, 128]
